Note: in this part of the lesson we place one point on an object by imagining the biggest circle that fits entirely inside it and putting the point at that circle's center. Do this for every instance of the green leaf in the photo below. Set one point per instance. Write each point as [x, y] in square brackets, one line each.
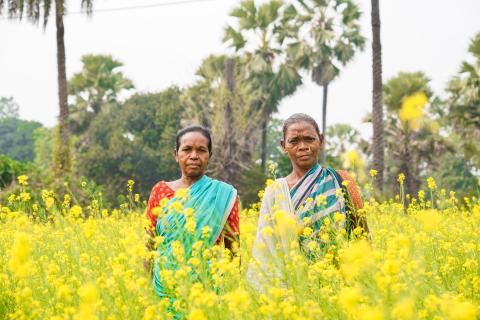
[236, 38]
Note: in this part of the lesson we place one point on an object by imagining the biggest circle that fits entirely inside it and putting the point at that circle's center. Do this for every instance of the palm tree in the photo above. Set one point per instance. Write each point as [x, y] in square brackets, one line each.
[222, 100]
[36, 10]
[98, 84]
[270, 73]
[321, 36]
[410, 148]
[464, 103]
[377, 97]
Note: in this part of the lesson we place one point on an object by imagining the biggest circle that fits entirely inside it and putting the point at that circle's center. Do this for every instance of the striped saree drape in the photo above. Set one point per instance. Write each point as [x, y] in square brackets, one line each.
[316, 196]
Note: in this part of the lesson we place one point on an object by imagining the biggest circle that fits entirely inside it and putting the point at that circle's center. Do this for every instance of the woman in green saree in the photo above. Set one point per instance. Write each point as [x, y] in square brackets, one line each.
[214, 204]
[308, 195]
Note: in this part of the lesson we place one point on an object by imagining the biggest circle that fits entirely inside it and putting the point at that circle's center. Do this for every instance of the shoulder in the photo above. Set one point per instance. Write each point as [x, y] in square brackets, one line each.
[160, 184]
[352, 187]
[350, 181]
[161, 187]
[345, 175]
[276, 186]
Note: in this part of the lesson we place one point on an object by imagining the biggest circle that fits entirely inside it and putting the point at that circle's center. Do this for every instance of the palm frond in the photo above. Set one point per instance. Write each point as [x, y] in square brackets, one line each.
[87, 6]
[306, 7]
[470, 69]
[351, 14]
[274, 9]
[235, 37]
[474, 47]
[47, 6]
[246, 14]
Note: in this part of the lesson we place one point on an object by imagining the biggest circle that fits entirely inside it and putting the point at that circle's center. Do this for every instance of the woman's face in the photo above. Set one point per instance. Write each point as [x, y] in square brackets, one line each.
[193, 155]
[302, 144]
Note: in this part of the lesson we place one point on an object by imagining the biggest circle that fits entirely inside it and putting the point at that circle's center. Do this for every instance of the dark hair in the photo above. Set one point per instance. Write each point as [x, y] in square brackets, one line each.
[300, 117]
[194, 128]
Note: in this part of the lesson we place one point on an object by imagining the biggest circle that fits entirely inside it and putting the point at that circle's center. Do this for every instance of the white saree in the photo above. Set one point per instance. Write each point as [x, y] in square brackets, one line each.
[275, 233]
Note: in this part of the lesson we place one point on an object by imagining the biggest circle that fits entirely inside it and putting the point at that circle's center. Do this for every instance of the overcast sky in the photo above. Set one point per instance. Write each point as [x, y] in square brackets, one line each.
[162, 46]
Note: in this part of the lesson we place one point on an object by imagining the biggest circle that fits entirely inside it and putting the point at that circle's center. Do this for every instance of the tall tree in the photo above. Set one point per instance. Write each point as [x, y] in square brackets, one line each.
[36, 10]
[255, 35]
[464, 104]
[322, 36]
[412, 137]
[377, 97]
[222, 100]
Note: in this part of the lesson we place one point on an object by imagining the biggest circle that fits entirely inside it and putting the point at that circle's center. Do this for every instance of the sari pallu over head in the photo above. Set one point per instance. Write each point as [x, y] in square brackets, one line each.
[212, 202]
[316, 196]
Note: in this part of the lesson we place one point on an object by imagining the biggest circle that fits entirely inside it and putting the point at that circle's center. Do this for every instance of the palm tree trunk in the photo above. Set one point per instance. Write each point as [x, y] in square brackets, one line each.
[377, 102]
[62, 158]
[263, 151]
[323, 154]
[408, 166]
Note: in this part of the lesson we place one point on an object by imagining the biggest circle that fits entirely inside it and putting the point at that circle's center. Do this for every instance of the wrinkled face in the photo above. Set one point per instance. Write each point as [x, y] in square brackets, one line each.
[192, 155]
[302, 144]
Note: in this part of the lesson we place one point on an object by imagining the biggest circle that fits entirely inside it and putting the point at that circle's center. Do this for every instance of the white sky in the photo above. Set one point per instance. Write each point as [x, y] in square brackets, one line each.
[164, 45]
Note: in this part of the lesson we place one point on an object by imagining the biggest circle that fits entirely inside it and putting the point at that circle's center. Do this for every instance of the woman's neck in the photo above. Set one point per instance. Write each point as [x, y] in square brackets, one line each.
[187, 182]
[183, 182]
[296, 174]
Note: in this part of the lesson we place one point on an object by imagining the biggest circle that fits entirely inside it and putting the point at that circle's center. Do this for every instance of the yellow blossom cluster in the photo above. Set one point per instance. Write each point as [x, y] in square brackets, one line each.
[412, 109]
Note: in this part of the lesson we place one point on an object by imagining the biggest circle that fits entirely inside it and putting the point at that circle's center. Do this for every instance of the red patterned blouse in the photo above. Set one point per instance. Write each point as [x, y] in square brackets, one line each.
[162, 190]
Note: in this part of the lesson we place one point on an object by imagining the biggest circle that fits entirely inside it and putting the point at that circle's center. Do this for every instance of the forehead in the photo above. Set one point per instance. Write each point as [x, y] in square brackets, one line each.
[301, 128]
[194, 138]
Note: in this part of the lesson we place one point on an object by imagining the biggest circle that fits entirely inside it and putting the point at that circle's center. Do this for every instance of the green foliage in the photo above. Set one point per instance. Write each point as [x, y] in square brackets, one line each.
[270, 72]
[321, 36]
[8, 108]
[34, 11]
[341, 138]
[9, 170]
[249, 185]
[133, 141]
[223, 100]
[62, 155]
[412, 150]
[98, 84]
[464, 104]
[43, 146]
[455, 174]
[274, 150]
[31, 9]
[17, 138]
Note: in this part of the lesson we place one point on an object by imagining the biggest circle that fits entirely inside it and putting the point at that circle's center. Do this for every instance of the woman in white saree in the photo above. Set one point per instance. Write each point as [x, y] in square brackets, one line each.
[303, 199]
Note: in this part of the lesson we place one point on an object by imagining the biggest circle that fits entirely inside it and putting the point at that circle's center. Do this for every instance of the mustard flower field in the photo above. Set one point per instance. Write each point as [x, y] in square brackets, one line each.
[59, 260]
